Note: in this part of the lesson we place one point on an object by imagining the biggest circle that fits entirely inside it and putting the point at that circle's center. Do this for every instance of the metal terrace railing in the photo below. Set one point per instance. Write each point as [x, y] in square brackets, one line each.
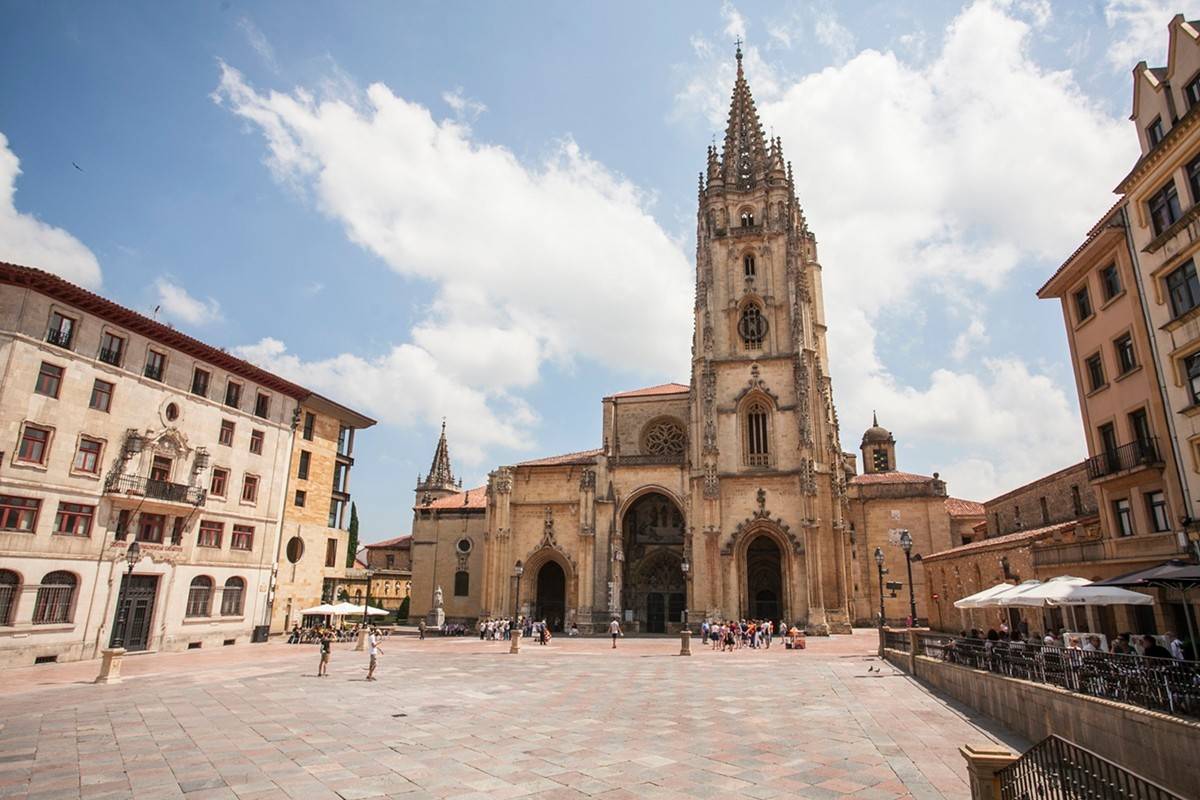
[1143, 452]
[1056, 768]
[155, 490]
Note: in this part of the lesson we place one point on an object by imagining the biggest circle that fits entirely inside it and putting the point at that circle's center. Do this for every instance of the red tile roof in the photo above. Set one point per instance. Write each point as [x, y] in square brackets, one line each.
[651, 391]
[956, 507]
[889, 477]
[472, 498]
[582, 457]
[401, 542]
[1011, 538]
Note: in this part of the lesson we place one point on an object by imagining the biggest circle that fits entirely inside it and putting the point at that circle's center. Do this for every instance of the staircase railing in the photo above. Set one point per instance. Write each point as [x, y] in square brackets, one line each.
[1055, 769]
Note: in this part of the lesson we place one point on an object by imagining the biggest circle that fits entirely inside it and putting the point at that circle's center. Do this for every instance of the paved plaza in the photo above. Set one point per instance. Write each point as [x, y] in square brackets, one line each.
[462, 718]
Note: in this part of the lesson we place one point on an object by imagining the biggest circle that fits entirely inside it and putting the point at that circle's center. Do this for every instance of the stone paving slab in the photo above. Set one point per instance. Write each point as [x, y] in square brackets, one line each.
[461, 718]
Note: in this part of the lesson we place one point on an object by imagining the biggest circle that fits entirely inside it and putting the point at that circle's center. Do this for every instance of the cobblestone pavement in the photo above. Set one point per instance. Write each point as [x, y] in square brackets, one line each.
[462, 718]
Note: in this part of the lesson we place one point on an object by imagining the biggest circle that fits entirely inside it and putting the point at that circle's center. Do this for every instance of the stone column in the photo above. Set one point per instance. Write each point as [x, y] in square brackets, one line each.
[984, 761]
[514, 645]
[110, 665]
[685, 642]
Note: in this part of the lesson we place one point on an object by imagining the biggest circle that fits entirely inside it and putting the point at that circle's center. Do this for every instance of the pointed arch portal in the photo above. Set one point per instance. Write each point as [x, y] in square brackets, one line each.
[552, 595]
[654, 587]
[764, 578]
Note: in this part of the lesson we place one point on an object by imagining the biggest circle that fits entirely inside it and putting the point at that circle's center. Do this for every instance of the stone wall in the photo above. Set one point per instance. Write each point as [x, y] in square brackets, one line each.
[1156, 746]
[1021, 509]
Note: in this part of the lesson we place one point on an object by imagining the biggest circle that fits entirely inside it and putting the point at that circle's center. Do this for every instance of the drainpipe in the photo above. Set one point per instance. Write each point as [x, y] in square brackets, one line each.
[1162, 385]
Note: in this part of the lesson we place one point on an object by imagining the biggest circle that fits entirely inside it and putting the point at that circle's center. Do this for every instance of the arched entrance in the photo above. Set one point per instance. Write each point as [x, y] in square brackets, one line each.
[764, 579]
[551, 595]
[653, 587]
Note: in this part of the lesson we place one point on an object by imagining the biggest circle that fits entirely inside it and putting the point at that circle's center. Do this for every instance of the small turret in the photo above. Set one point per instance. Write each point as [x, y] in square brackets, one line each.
[878, 448]
[440, 480]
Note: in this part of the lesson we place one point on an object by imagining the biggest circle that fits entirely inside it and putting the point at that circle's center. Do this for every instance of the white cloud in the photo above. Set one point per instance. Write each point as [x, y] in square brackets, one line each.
[464, 107]
[974, 336]
[1140, 29]
[26, 240]
[258, 42]
[175, 303]
[523, 256]
[735, 23]
[834, 35]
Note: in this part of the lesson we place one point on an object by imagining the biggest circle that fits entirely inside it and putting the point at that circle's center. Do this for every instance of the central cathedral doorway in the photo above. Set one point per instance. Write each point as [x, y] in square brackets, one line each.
[764, 579]
[551, 595]
[654, 589]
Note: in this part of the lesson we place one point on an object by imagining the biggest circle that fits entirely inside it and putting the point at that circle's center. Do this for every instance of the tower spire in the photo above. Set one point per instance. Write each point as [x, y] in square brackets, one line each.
[745, 152]
[440, 480]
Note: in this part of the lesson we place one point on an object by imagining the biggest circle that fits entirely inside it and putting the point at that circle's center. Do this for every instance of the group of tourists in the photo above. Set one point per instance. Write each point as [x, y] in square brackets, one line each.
[496, 630]
[313, 634]
[1125, 643]
[730, 635]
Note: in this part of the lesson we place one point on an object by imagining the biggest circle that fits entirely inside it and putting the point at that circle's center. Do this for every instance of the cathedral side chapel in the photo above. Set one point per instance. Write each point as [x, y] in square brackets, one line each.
[725, 498]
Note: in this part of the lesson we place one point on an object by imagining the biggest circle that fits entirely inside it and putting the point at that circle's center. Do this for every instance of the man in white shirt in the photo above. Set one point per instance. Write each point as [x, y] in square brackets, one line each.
[1175, 645]
[614, 628]
[375, 651]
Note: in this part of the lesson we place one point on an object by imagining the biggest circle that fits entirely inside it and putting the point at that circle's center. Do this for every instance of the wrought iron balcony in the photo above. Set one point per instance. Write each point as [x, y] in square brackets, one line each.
[154, 372]
[110, 356]
[59, 337]
[139, 486]
[1135, 455]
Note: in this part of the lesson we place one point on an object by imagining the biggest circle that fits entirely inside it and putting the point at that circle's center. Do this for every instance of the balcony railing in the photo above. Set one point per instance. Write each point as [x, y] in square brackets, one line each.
[154, 372]
[110, 356]
[1142, 453]
[155, 490]
[59, 337]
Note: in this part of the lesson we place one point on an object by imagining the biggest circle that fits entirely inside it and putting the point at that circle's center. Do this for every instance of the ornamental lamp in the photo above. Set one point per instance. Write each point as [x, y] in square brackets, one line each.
[685, 565]
[133, 555]
[879, 556]
[519, 569]
[906, 541]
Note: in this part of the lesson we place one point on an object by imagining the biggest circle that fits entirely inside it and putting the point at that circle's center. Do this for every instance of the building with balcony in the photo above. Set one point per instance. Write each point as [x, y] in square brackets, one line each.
[115, 429]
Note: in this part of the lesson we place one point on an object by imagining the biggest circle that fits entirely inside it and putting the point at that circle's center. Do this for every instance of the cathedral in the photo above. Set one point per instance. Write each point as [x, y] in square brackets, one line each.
[729, 497]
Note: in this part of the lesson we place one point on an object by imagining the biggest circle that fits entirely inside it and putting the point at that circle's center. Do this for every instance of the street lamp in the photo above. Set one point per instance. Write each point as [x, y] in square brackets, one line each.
[518, 571]
[906, 543]
[685, 566]
[132, 556]
[882, 572]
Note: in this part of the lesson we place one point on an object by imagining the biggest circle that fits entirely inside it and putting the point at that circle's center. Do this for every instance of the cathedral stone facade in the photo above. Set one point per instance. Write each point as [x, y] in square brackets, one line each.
[724, 498]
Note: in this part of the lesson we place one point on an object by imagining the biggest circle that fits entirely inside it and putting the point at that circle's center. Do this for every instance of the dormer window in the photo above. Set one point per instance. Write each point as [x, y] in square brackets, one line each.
[1154, 132]
[748, 265]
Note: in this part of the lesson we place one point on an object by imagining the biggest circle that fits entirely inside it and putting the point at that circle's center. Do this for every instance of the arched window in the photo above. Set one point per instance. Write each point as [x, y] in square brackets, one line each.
[758, 450]
[358, 596]
[199, 602]
[233, 597]
[748, 265]
[747, 219]
[10, 591]
[55, 599]
[462, 583]
[752, 327]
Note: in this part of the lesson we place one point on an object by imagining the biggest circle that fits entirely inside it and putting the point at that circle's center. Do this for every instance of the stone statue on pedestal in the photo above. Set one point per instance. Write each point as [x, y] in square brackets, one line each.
[437, 615]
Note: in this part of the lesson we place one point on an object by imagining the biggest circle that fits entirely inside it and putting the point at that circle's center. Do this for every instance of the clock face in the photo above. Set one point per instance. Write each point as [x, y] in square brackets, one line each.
[753, 325]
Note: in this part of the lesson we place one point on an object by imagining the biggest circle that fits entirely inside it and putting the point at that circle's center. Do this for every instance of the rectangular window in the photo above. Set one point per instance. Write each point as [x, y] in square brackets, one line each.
[1126, 360]
[225, 437]
[335, 513]
[200, 378]
[757, 449]
[302, 470]
[310, 424]
[18, 513]
[1154, 132]
[262, 405]
[1110, 279]
[220, 479]
[177, 530]
[331, 547]
[87, 458]
[233, 394]
[1191, 92]
[1156, 510]
[1139, 424]
[160, 469]
[210, 533]
[1123, 517]
[256, 442]
[301, 497]
[1193, 178]
[1083, 305]
[112, 348]
[1076, 500]
[1164, 208]
[62, 330]
[1045, 511]
[243, 537]
[35, 445]
[345, 441]
[340, 471]
[250, 489]
[74, 519]
[1192, 365]
[1095, 371]
[151, 527]
[1183, 287]
[1108, 438]
[156, 365]
[102, 392]
[49, 380]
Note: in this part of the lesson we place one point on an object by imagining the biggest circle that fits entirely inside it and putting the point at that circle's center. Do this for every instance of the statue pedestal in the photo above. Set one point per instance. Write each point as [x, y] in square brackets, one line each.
[436, 618]
[110, 665]
[515, 643]
[361, 644]
[685, 642]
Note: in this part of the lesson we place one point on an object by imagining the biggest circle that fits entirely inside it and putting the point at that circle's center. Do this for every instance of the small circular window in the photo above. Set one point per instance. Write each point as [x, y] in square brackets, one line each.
[464, 545]
[295, 549]
[172, 412]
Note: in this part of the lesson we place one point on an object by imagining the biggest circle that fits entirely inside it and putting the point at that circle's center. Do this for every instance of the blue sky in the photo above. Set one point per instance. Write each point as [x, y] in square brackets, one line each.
[486, 211]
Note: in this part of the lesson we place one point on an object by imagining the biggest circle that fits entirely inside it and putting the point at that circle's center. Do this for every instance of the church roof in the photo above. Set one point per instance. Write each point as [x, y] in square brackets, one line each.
[889, 477]
[956, 507]
[582, 457]
[401, 542]
[650, 391]
[472, 498]
[1010, 538]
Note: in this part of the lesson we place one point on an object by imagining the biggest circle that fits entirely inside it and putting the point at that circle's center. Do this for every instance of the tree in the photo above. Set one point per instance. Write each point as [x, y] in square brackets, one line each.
[352, 540]
[402, 611]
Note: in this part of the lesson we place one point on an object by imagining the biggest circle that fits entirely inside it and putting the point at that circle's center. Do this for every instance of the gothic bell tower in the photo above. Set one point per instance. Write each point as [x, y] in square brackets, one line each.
[765, 454]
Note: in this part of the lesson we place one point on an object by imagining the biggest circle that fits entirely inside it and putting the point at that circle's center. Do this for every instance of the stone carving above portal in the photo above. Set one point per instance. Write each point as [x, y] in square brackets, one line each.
[502, 480]
[760, 517]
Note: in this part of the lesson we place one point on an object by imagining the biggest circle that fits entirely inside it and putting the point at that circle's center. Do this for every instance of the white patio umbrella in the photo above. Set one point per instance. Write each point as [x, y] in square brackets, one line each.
[979, 599]
[1092, 595]
[324, 608]
[1036, 595]
[350, 608]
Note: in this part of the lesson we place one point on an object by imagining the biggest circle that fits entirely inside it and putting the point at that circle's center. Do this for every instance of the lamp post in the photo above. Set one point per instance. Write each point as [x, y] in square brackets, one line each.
[514, 630]
[906, 543]
[882, 572]
[132, 556]
[685, 633]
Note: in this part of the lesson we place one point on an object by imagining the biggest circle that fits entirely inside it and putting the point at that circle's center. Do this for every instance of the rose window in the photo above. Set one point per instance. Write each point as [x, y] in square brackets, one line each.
[665, 439]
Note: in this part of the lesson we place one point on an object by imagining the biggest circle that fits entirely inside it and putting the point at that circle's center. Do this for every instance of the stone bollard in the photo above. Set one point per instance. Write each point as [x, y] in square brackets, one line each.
[685, 642]
[110, 665]
[984, 761]
[362, 639]
[514, 646]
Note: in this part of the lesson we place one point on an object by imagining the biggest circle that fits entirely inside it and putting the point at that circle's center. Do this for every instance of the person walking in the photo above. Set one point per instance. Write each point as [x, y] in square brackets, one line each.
[421, 629]
[326, 651]
[375, 651]
[614, 628]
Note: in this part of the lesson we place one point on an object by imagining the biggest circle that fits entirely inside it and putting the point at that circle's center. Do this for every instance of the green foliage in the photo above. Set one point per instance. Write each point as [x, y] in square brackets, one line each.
[402, 611]
[343, 595]
[352, 540]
